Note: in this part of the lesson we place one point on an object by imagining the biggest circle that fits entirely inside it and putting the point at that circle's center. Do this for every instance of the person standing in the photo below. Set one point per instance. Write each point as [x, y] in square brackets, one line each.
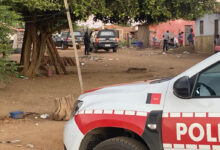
[191, 38]
[154, 39]
[87, 43]
[217, 44]
[165, 41]
[180, 39]
[175, 41]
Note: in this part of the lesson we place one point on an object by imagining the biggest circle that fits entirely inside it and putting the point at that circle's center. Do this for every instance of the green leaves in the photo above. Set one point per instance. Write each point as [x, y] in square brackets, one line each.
[33, 5]
[7, 18]
[154, 11]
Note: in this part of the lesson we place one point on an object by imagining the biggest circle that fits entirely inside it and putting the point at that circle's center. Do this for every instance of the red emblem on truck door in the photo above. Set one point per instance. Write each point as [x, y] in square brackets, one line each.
[153, 98]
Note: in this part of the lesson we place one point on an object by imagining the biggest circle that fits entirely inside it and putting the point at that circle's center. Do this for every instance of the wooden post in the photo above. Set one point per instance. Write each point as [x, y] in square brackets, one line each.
[74, 45]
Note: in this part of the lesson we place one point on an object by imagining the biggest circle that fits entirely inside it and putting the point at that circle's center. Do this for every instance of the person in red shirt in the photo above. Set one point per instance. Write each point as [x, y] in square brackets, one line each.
[180, 39]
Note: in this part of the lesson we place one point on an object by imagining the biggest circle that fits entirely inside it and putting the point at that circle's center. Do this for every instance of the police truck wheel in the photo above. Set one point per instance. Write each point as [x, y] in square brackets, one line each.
[120, 143]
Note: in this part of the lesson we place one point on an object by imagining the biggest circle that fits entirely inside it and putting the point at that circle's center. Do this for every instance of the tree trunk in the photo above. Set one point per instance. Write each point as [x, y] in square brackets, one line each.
[144, 34]
[64, 107]
[36, 39]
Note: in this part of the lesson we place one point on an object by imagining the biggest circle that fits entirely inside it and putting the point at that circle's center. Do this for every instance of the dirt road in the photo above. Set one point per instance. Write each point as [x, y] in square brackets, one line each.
[100, 69]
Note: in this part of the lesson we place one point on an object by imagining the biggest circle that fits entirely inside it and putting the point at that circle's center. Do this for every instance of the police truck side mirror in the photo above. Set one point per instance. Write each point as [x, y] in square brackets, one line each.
[181, 88]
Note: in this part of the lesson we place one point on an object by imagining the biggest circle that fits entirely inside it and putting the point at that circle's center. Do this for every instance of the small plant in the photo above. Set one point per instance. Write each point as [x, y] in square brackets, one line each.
[122, 43]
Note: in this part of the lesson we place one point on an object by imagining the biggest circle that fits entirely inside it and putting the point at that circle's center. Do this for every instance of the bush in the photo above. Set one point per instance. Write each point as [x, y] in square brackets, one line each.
[7, 67]
[122, 43]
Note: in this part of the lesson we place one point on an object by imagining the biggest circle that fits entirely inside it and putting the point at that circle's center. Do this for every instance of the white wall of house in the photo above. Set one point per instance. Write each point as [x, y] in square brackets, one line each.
[209, 24]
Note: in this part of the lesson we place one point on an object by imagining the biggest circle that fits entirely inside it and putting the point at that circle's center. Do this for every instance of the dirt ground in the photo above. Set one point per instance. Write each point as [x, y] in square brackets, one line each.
[98, 69]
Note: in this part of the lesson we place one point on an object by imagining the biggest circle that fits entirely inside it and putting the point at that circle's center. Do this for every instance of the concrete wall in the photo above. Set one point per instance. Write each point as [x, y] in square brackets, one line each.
[174, 26]
[204, 44]
[208, 25]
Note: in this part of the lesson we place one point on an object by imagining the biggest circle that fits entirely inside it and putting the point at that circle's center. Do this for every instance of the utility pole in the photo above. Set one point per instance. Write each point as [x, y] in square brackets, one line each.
[74, 45]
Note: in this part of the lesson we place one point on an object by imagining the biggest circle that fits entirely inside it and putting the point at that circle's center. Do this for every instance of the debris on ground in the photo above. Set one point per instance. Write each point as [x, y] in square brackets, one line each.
[15, 141]
[30, 145]
[44, 116]
[82, 64]
[67, 61]
[17, 114]
[171, 68]
[12, 141]
[31, 114]
[178, 56]
[3, 142]
[23, 77]
[37, 124]
[64, 107]
[186, 52]
[95, 58]
[134, 69]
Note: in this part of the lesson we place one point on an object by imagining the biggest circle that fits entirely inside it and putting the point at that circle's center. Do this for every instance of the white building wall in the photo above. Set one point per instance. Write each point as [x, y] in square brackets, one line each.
[209, 24]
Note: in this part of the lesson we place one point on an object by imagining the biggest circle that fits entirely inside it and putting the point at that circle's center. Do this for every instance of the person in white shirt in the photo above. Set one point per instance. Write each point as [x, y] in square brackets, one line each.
[165, 41]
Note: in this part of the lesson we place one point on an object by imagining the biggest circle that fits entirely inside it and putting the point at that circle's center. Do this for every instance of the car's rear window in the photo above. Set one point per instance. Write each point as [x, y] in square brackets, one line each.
[107, 33]
[64, 34]
[77, 34]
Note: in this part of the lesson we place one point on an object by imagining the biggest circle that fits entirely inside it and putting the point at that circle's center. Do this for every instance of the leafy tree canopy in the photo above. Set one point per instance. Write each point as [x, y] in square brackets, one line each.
[155, 11]
[115, 11]
[43, 17]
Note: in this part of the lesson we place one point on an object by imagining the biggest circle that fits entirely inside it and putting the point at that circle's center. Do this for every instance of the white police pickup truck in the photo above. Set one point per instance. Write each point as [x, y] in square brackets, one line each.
[180, 113]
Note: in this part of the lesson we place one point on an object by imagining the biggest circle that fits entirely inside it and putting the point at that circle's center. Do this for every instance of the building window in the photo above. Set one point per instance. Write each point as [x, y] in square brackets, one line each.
[216, 27]
[201, 27]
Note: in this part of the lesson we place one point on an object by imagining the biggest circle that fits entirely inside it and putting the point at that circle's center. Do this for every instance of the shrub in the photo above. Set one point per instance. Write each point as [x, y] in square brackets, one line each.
[7, 67]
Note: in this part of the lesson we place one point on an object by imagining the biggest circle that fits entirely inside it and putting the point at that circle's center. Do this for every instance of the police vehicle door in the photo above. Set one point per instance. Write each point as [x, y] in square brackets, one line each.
[194, 122]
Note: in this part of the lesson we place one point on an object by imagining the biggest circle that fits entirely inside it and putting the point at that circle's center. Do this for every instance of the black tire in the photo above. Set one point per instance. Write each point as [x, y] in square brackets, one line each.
[120, 143]
[90, 141]
[91, 49]
[115, 50]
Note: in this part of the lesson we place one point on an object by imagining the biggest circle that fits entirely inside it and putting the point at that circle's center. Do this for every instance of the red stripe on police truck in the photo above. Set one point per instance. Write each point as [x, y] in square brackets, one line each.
[191, 131]
[131, 120]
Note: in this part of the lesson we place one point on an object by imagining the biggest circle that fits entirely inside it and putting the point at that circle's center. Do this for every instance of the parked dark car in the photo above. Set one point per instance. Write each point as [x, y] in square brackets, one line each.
[57, 39]
[65, 40]
[106, 39]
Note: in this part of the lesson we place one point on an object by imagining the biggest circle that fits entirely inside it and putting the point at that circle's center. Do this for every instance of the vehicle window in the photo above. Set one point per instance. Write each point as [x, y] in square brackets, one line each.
[208, 82]
[107, 33]
[77, 34]
[64, 34]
